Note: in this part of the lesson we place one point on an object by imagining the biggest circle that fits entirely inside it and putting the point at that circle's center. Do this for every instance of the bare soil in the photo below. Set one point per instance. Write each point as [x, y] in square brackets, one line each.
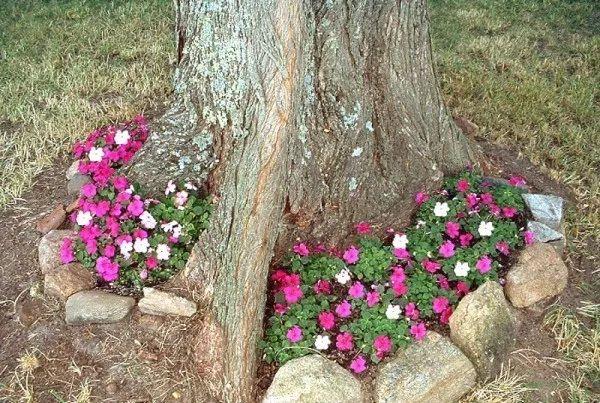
[150, 358]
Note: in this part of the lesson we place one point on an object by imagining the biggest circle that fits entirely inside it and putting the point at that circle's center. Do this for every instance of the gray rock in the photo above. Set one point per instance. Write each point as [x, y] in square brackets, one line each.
[311, 379]
[157, 302]
[539, 274]
[49, 247]
[483, 326]
[97, 307]
[542, 232]
[546, 209]
[72, 170]
[66, 280]
[76, 183]
[434, 370]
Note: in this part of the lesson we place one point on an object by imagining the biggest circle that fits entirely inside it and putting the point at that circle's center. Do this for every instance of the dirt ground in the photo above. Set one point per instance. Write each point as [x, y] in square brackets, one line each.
[148, 358]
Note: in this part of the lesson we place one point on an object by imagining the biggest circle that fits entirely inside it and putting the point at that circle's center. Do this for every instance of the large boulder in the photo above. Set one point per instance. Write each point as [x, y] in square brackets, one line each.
[311, 379]
[546, 209]
[157, 302]
[49, 247]
[66, 280]
[483, 326]
[539, 273]
[97, 307]
[434, 370]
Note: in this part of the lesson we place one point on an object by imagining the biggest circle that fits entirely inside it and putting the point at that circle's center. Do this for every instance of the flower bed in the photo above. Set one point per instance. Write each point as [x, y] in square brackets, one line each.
[128, 239]
[359, 305]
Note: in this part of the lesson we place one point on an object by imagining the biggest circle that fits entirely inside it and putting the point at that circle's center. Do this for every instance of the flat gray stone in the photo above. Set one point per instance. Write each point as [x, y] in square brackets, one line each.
[542, 232]
[49, 248]
[546, 209]
[483, 326]
[157, 302]
[434, 370]
[312, 379]
[97, 306]
[76, 183]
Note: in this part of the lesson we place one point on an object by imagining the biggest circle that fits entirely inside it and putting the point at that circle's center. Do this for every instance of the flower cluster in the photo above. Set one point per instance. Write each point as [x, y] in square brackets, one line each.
[361, 304]
[128, 239]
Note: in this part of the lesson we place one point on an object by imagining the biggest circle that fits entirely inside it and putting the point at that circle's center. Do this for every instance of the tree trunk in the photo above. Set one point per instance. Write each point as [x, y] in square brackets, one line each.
[302, 118]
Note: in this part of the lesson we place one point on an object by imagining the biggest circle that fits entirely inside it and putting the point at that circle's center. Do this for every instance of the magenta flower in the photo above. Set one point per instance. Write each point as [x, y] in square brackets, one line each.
[88, 190]
[487, 198]
[151, 262]
[399, 289]
[445, 316]
[106, 269]
[484, 264]
[452, 229]
[528, 237]
[443, 282]
[372, 298]
[495, 210]
[280, 309]
[382, 345]
[465, 239]
[503, 247]
[517, 181]
[440, 304]
[343, 309]
[462, 185]
[322, 287]
[446, 250]
[363, 228]
[292, 294]
[357, 290]
[66, 251]
[109, 251]
[411, 311]
[401, 253]
[509, 212]
[351, 255]
[344, 341]
[294, 334]
[462, 288]
[301, 249]
[136, 207]
[359, 364]
[431, 265]
[121, 183]
[398, 275]
[472, 200]
[326, 320]
[421, 197]
[418, 331]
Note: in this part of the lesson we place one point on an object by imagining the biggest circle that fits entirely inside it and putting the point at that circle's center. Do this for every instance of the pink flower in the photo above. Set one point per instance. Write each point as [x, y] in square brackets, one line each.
[91, 246]
[120, 183]
[292, 294]
[443, 282]
[452, 229]
[411, 311]
[294, 334]
[421, 197]
[465, 239]
[359, 364]
[494, 209]
[102, 208]
[107, 270]
[462, 288]
[509, 212]
[517, 181]
[398, 275]
[363, 228]
[343, 309]
[357, 290]
[326, 320]
[109, 251]
[471, 200]
[382, 345]
[440, 304]
[66, 251]
[484, 264]
[351, 255]
[88, 190]
[528, 237]
[431, 265]
[446, 250]
[399, 289]
[151, 262]
[344, 341]
[322, 287]
[487, 198]
[418, 331]
[401, 253]
[144, 274]
[281, 308]
[372, 298]
[136, 207]
[445, 316]
[503, 247]
[462, 185]
[301, 249]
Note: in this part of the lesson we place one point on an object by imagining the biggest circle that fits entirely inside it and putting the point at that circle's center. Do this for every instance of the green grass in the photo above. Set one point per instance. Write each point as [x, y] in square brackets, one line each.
[527, 73]
[69, 66]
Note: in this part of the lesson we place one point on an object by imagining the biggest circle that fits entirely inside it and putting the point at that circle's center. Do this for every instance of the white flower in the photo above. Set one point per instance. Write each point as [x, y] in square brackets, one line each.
[343, 276]
[126, 247]
[400, 241]
[84, 218]
[190, 186]
[177, 231]
[322, 342]
[420, 223]
[130, 190]
[141, 245]
[441, 209]
[170, 188]
[122, 137]
[393, 312]
[96, 154]
[181, 198]
[486, 228]
[148, 221]
[461, 269]
[163, 252]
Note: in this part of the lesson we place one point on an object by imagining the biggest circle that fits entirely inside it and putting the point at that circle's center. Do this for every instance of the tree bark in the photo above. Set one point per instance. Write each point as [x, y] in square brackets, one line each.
[302, 118]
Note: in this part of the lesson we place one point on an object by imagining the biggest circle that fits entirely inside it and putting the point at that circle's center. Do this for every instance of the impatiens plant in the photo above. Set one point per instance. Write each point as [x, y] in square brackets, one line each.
[360, 305]
[126, 238]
